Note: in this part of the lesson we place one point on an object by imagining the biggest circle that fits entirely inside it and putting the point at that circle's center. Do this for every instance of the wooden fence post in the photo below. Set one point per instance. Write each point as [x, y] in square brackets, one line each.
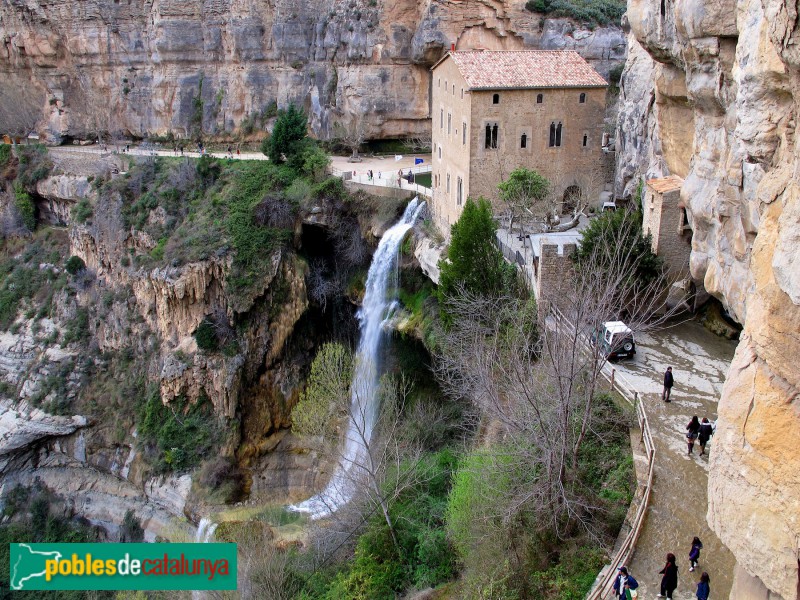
[613, 372]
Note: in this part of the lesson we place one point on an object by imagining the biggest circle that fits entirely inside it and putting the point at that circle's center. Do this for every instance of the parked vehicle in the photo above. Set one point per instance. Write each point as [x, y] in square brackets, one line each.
[615, 340]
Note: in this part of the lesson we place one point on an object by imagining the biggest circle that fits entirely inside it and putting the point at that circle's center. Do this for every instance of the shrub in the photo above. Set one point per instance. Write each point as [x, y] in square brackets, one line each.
[592, 12]
[5, 154]
[178, 436]
[77, 329]
[206, 336]
[131, 528]
[25, 207]
[82, 212]
[74, 265]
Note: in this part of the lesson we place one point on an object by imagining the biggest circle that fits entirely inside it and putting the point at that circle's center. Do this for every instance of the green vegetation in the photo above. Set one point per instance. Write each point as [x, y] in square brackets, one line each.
[592, 12]
[82, 211]
[5, 154]
[177, 436]
[474, 263]
[34, 514]
[622, 231]
[34, 165]
[23, 285]
[287, 135]
[74, 265]
[25, 207]
[327, 391]
[205, 336]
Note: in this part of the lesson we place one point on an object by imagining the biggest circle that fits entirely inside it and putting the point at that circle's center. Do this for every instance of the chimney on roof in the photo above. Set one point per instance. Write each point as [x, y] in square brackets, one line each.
[452, 47]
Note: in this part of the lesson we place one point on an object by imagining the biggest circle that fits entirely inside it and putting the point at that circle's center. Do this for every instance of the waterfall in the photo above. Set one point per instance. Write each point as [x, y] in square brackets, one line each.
[375, 309]
[205, 531]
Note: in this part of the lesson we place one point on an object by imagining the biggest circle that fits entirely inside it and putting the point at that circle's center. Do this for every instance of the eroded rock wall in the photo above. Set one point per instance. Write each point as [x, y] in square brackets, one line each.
[172, 65]
[723, 114]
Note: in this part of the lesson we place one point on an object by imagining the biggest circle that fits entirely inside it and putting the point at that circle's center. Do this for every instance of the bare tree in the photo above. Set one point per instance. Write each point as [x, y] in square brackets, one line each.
[21, 105]
[422, 142]
[351, 132]
[535, 374]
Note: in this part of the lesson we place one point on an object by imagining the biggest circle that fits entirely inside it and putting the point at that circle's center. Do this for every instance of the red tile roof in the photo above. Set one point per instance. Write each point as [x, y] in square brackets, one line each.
[669, 183]
[522, 69]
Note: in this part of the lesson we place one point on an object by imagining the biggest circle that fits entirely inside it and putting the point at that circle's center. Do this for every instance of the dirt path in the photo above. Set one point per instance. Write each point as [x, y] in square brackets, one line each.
[677, 513]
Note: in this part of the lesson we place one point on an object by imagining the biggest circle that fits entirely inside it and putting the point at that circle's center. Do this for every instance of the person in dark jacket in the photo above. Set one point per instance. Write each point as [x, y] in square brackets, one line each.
[703, 587]
[668, 381]
[621, 581]
[692, 432]
[705, 433]
[694, 553]
[669, 581]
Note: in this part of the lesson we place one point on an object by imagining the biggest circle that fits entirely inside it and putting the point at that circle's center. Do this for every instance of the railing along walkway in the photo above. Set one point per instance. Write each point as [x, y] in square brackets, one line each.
[605, 579]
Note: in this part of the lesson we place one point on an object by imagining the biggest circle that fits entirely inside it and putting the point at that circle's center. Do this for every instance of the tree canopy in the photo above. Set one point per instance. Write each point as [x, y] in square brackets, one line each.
[474, 263]
[290, 128]
[620, 228]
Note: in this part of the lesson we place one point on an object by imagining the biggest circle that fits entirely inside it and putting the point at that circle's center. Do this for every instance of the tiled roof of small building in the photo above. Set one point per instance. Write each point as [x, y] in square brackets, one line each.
[666, 184]
[521, 69]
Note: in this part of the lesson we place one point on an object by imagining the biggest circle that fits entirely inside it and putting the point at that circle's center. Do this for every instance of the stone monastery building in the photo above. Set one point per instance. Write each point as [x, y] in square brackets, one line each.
[494, 111]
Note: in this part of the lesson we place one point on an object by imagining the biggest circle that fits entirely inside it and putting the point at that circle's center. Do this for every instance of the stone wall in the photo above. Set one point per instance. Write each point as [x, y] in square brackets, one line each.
[671, 237]
[551, 271]
[720, 111]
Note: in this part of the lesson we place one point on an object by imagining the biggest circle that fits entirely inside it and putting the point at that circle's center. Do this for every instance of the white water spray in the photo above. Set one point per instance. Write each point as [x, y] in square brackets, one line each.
[375, 310]
[205, 531]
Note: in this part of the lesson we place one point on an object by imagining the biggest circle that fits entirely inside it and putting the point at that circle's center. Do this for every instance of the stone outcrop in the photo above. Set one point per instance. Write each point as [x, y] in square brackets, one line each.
[722, 115]
[183, 65]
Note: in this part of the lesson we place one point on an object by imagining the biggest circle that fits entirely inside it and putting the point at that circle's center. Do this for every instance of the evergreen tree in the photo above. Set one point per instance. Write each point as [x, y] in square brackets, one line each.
[474, 262]
[290, 129]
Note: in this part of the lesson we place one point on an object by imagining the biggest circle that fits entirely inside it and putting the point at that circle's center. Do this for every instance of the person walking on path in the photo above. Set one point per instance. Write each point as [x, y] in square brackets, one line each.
[669, 581]
[703, 587]
[622, 581]
[694, 553]
[705, 433]
[692, 432]
[668, 381]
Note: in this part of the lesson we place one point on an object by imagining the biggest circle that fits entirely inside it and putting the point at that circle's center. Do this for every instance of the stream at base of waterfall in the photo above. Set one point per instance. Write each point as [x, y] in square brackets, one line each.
[373, 314]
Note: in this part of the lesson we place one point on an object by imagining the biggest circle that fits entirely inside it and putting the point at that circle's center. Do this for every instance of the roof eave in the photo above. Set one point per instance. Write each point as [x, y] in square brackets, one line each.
[537, 87]
[441, 60]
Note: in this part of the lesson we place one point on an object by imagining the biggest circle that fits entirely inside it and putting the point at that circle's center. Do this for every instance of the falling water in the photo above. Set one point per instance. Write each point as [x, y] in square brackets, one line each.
[374, 311]
[205, 531]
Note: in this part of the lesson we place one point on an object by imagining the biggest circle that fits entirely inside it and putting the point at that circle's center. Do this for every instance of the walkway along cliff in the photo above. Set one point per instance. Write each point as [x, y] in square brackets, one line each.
[709, 94]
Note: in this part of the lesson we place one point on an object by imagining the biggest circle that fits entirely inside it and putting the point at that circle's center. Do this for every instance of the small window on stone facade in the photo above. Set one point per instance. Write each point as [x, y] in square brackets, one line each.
[463, 134]
[496, 99]
[539, 98]
[585, 140]
[523, 141]
[440, 153]
[462, 93]
[454, 89]
[441, 118]
[558, 134]
[459, 190]
[582, 98]
[447, 187]
[449, 122]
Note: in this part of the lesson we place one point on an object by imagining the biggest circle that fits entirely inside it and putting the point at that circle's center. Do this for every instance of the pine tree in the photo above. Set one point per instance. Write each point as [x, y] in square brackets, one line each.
[289, 131]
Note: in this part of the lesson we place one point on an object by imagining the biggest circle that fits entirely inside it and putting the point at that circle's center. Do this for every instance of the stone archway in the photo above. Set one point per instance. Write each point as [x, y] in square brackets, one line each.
[572, 196]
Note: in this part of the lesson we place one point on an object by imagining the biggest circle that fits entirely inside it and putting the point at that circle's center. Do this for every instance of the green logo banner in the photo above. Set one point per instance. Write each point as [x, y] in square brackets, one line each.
[123, 567]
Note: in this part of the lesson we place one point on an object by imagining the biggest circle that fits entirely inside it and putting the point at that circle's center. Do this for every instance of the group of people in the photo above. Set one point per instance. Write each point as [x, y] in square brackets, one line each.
[625, 585]
[696, 431]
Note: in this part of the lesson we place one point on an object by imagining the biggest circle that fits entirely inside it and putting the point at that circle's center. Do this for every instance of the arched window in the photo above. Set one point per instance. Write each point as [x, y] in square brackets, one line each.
[582, 98]
[491, 135]
[552, 135]
[539, 98]
[523, 141]
[585, 140]
[558, 134]
[496, 99]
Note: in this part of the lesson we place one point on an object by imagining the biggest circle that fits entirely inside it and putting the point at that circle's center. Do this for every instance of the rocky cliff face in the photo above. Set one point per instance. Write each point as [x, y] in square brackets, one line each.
[721, 108]
[182, 65]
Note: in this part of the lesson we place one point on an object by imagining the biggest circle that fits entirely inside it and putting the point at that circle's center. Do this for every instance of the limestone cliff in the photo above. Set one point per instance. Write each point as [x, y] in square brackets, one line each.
[722, 114]
[182, 65]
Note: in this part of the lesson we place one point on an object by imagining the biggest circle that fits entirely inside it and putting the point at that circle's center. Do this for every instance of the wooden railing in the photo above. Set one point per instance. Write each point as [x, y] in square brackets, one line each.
[605, 579]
